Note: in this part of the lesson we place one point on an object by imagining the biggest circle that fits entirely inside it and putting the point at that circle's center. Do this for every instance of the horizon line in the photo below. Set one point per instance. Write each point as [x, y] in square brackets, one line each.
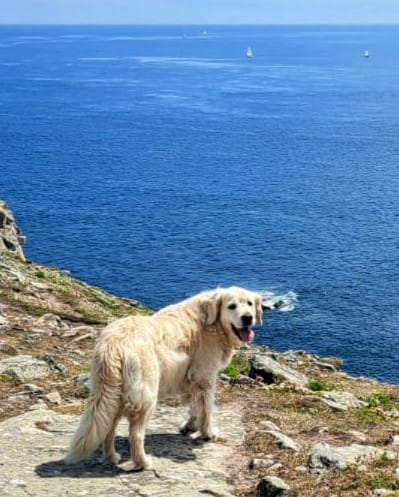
[200, 24]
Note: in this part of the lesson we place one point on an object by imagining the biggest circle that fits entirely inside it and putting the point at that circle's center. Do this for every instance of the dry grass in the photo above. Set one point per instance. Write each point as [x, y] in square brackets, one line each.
[28, 290]
[307, 420]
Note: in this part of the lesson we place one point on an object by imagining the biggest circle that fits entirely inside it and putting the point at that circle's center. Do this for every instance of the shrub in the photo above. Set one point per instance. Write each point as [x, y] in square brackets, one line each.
[238, 365]
[380, 400]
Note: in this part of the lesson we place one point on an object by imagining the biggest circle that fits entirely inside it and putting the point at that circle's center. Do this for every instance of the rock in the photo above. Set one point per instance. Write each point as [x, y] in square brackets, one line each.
[257, 463]
[16, 399]
[39, 406]
[272, 371]
[8, 349]
[53, 398]
[326, 366]
[79, 330]
[396, 474]
[34, 444]
[324, 457]
[24, 368]
[11, 239]
[284, 441]
[342, 401]
[84, 381]
[382, 492]
[242, 379]
[359, 435]
[270, 425]
[50, 323]
[212, 490]
[3, 322]
[54, 366]
[395, 440]
[32, 388]
[271, 486]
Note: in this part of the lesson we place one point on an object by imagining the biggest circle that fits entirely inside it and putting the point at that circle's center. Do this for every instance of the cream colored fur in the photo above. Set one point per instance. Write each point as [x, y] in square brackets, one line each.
[176, 352]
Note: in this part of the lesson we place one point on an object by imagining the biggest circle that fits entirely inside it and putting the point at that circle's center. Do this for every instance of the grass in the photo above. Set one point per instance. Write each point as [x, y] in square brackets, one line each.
[239, 365]
[380, 400]
[319, 386]
[299, 413]
[382, 481]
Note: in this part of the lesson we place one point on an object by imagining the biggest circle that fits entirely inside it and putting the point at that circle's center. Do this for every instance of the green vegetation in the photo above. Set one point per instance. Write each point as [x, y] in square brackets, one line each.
[380, 400]
[318, 386]
[383, 481]
[367, 416]
[238, 365]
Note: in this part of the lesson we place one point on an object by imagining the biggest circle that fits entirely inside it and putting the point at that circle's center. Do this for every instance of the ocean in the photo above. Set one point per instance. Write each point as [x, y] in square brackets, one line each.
[159, 161]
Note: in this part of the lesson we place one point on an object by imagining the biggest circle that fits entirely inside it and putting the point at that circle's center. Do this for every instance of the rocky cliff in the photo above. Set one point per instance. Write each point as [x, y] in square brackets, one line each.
[11, 238]
[292, 424]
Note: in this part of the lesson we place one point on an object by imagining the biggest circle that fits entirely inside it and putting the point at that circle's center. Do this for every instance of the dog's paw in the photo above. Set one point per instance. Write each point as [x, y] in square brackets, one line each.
[187, 428]
[114, 459]
[211, 435]
[143, 464]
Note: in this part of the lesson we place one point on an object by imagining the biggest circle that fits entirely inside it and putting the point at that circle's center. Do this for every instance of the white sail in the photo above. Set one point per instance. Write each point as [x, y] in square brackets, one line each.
[366, 53]
[249, 53]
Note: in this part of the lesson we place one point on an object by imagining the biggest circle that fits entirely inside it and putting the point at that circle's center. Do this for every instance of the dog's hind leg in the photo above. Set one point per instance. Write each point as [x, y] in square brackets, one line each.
[109, 454]
[191, 425]
[137, 426]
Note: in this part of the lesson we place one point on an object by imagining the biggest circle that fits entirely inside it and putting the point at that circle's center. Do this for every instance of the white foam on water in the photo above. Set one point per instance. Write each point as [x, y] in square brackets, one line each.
[101, 59]
[192, 62]
[287, 301]
[32, 38]
[77, 37]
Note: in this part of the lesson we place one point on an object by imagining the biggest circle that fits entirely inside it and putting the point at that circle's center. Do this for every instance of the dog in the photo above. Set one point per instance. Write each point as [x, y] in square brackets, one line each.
[176, 352]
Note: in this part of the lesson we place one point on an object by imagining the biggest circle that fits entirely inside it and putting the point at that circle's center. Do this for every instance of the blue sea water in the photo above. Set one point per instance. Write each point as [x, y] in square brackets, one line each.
[158, 161]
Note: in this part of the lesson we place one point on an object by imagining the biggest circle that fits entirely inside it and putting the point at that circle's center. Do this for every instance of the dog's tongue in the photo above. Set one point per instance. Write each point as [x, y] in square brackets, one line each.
[247, 335]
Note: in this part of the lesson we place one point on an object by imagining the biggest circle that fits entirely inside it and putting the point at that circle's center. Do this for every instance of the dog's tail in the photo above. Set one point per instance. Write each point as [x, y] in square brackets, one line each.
[99, 417]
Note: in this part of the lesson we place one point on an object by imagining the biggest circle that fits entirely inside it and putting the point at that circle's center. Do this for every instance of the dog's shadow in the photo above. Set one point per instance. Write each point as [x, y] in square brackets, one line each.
[177, 447]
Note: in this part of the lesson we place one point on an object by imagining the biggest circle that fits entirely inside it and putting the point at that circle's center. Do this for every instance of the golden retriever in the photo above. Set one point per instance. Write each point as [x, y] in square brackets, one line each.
[176, 352]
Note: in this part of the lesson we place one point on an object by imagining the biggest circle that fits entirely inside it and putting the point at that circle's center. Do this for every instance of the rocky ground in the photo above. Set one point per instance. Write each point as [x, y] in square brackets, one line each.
[292, 424]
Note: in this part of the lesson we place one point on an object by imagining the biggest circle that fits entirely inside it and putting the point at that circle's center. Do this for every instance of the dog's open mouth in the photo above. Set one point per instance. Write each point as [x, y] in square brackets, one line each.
[245, 334]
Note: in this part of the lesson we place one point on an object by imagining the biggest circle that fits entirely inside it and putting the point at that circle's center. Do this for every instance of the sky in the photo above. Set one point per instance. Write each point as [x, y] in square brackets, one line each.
[199, 11]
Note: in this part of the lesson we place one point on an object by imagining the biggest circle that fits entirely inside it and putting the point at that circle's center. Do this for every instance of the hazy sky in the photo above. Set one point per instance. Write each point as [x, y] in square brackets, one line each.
[199, 11]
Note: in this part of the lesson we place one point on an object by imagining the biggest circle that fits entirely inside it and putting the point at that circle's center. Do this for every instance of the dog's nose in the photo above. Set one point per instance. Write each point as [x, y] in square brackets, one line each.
[246, 320]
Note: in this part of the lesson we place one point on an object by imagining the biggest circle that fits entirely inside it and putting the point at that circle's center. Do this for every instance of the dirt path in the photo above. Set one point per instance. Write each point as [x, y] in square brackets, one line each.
[33, 445]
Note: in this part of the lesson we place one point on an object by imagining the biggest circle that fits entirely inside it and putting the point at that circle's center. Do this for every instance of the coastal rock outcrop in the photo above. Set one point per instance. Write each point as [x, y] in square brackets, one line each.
[11, 238]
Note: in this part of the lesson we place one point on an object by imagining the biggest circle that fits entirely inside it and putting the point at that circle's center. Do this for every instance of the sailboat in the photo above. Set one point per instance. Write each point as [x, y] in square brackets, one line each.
[366, 53]
[249, 53]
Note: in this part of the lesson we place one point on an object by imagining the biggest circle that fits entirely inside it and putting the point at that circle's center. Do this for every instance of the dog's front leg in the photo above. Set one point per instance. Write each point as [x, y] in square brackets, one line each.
[204, 411]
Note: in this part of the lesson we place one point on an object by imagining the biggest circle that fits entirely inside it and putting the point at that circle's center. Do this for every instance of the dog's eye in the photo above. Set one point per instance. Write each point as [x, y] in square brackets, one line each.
[232, 306]
[249, 302]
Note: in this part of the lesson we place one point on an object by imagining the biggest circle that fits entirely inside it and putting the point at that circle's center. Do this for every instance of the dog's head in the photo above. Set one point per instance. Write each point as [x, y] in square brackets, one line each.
[236, 309]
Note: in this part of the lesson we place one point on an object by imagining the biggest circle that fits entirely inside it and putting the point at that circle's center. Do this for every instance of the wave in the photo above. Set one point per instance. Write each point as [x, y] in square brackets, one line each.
[194, 62]
[101, 59]
[282, 302]
[155, 37]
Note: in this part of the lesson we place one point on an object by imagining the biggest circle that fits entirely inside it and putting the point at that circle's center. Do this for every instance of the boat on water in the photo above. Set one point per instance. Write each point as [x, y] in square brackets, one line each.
[366, 53]
[249, 53]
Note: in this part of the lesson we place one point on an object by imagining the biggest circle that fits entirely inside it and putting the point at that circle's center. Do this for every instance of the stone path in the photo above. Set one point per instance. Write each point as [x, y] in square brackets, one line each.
[32, 447]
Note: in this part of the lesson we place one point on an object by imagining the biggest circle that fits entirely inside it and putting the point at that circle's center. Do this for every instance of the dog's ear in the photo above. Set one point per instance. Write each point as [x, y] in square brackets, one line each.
[259, 309]
[210, 307]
